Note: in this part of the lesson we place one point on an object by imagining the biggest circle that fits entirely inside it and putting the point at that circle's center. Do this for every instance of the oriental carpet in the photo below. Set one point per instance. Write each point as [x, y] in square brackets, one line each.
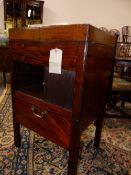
[39, 156]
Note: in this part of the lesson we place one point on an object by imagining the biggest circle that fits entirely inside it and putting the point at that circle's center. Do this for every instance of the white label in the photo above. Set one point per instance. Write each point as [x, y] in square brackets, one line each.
[55, 61]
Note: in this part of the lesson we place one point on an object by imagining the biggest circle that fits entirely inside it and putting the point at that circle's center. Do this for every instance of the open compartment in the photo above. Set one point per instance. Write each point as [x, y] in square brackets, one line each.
[36, 81]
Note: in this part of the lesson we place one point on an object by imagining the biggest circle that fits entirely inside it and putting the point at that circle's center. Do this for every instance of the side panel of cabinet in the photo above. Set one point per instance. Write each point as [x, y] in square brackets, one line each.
[5, 59]
[1, 59]
[98, 81]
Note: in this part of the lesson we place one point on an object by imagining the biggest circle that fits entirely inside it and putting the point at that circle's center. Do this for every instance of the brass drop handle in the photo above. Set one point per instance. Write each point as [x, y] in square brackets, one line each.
[41, 115]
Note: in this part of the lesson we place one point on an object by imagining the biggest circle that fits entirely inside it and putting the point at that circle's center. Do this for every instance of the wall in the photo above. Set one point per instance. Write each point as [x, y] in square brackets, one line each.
[1, 15]
[107, 13]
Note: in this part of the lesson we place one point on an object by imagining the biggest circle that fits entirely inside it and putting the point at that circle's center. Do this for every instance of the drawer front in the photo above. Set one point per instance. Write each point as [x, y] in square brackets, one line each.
[40, 52]
[22, 46]
[30, 58]
[43, 121]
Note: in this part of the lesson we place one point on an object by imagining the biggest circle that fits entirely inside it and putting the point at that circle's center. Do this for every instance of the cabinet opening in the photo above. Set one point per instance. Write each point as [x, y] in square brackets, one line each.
[36, 81]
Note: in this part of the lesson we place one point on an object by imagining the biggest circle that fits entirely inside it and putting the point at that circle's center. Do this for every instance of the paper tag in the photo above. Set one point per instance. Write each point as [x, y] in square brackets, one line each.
[55, 61]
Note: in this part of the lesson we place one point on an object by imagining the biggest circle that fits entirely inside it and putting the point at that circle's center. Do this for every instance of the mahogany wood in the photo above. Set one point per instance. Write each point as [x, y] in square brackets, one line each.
[5, 61]
[70, 101]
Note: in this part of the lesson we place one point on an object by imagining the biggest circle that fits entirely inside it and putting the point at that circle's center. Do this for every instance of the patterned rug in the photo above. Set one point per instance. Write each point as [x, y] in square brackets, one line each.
[39, 156]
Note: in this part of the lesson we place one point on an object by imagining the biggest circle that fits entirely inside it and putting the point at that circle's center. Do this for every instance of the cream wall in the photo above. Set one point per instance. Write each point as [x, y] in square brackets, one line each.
[107, 13]
[1, 15]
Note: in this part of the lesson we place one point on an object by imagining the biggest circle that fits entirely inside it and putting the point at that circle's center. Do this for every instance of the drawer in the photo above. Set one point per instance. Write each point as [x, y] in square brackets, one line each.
[69, 52]
[30, 58]
[42, 120]
[21, 46]
[40, 51]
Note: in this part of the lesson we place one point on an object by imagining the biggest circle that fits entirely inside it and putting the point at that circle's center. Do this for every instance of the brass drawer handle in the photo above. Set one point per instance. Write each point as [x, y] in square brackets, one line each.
[41, 115]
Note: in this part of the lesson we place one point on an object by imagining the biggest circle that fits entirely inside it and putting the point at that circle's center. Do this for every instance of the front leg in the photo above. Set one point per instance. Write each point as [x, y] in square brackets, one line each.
[74, 149]
[17, 137]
